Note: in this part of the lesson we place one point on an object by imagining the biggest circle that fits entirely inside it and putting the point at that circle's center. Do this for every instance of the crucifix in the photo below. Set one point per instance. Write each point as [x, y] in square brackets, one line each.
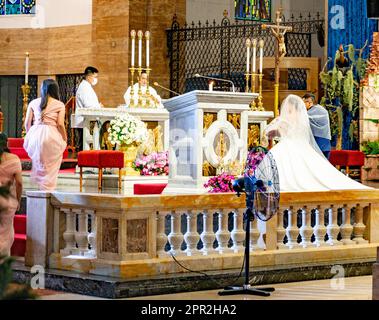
[278, 32]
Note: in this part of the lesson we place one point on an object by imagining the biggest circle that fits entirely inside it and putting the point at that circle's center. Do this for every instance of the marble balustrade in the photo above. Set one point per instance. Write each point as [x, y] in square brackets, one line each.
[117, 230]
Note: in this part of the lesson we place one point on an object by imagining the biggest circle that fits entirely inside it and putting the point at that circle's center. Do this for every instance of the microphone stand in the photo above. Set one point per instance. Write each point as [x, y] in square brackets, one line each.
[248, 217]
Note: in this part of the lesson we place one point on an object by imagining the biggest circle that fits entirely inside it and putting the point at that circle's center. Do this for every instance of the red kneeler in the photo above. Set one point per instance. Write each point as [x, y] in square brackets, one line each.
[347, 158]
[153, 188]
[100, 159]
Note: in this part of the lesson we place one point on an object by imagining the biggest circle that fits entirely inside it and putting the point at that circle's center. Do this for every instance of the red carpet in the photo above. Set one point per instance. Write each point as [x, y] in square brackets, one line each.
[19, 244]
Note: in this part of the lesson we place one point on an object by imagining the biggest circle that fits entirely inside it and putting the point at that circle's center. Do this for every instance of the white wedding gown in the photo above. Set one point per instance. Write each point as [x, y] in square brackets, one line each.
[300, 163]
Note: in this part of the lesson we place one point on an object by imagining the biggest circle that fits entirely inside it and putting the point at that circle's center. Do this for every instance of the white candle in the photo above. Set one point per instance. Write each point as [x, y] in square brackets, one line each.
[133, 34]
[27, 68]
[140, 35]
[248, 45]
[147, 36]
[254, 55]
[261, 44]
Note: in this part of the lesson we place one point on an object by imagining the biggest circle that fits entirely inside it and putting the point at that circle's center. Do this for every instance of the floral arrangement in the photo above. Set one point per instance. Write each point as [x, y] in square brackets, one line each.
[154, 164]
[254, 158]
[127, 129]
[220, 183]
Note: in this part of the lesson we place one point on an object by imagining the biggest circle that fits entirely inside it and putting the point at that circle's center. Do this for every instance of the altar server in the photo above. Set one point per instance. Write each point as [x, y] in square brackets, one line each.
[86, 98]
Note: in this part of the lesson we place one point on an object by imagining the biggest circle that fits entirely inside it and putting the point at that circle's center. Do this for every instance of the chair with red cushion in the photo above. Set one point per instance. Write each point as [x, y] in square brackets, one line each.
[101, 159]
[347, 159]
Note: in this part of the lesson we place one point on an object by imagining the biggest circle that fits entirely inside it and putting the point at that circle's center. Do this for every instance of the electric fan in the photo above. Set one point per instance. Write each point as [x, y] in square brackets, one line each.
[260, 183]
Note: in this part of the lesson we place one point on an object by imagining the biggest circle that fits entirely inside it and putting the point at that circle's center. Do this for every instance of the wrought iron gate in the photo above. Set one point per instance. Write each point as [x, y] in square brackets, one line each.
[219, 50]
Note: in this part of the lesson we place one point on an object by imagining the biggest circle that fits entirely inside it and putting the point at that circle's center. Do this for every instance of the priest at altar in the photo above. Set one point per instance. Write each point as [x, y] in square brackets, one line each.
[140, 98]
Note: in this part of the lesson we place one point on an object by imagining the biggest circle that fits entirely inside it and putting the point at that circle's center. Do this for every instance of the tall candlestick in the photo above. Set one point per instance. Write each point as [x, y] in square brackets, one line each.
[147, 36]
[254, 55]
[248, 45]
[140, 35]
[133, 35]
[261, 44]
[27, 68]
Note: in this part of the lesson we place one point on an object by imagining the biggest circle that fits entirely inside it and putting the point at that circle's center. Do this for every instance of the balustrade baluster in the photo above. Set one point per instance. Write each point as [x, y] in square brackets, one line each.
[191, 237]
[238, 234]
[346, 227]
[223, 234]
[92, 236]
[69, 234]
[175, 238]
[81, 236]
[254, 235]
[292, 230]
[332, 228]
[306, 230]
[208, 236]
[320, 228]
[359, 227]
[161, 234]
[280, 230]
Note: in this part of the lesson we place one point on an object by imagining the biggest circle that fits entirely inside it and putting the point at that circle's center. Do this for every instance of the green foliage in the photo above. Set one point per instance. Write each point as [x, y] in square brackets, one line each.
[341, 91]
[351, 53]
[370, 148]
[21, 293]
[348, 91]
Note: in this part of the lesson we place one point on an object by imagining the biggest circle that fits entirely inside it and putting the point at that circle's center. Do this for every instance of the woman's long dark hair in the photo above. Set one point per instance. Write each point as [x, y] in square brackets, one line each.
[3, 144]
[49, 88]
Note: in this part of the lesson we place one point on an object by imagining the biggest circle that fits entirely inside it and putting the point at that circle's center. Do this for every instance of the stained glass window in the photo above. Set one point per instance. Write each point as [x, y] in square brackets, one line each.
[253, 10]
[16, 7]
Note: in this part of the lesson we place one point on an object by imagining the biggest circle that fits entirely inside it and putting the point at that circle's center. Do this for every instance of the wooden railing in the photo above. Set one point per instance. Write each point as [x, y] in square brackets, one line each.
[129, 236]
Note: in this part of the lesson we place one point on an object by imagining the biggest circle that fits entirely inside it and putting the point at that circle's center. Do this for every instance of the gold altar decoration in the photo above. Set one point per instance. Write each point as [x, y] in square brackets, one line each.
[154, 143]
[235, 120]
[25, 93]
[208, 120]
[130, 155]
[145, 100]
[25, 101]
[253, 138]
[278, 31]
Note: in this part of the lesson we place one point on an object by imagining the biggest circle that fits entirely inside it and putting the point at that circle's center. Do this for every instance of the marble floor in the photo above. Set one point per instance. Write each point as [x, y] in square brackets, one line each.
[353, 288]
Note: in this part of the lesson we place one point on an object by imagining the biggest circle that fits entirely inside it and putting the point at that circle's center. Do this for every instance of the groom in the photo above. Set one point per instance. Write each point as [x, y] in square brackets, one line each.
[319, 121]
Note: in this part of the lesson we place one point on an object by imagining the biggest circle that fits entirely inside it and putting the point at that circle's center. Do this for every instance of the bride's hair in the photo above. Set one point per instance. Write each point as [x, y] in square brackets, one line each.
[293, 122]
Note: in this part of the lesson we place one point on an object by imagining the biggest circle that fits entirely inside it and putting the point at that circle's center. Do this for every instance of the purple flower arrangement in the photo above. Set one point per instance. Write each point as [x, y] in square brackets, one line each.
[221, 183]
[254, 158]
[154, 164]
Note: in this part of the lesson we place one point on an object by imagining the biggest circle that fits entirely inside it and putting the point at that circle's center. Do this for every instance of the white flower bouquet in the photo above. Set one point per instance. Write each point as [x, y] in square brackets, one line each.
[127, 129]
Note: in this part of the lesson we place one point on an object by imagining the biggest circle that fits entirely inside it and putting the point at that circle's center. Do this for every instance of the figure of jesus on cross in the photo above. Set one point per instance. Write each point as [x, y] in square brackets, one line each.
[278, 32]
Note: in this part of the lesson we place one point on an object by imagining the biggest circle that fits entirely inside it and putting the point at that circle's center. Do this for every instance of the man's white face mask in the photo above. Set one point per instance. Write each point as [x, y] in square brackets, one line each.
[94, 82]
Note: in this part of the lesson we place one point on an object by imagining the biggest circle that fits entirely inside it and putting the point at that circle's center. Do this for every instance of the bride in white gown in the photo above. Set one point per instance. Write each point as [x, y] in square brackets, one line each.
[301, 164]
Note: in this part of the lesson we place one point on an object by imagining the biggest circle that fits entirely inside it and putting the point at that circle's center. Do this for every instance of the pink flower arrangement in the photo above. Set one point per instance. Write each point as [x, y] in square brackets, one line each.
[221, 183]
[154, 164]
[254, 158]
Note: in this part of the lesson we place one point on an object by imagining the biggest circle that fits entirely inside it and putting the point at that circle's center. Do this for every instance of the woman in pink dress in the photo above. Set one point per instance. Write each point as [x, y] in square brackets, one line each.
[46, 137]
[10, 195]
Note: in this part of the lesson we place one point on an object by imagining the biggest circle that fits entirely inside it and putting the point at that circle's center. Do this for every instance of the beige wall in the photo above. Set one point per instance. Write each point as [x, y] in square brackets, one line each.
[104, 43]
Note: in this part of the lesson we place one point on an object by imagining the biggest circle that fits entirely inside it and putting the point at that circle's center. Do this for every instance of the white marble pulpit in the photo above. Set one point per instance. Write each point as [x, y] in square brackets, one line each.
[104, 114]
[190, 145]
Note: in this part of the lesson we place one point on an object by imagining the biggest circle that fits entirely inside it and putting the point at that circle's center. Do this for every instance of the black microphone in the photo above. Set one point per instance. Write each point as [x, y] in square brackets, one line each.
[217, 79]
[164, 88]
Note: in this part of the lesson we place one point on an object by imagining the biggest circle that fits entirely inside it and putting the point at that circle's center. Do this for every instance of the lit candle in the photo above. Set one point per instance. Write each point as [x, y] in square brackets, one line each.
[27, 68]
[211, 85]
[147, 36]
[248, 45]
[254, 55]
[261, 44]
[140, 35]
[133, 34]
